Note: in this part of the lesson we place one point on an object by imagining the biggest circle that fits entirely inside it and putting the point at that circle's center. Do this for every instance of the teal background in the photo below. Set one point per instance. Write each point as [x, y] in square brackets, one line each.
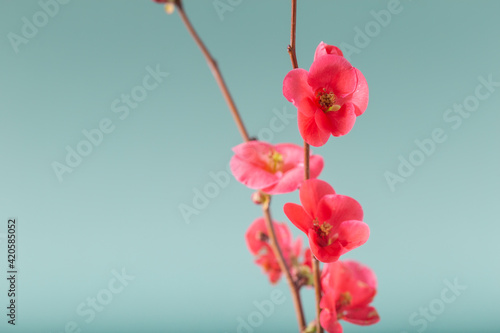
[120, 208]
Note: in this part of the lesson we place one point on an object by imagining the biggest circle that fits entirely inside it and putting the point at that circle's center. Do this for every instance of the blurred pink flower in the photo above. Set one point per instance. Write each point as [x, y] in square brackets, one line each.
[274, 169]
[257, 239]
[348, 289]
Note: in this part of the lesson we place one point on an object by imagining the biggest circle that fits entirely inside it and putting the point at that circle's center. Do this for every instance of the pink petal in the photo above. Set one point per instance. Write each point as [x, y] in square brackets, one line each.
[337, 208]
[353, 234]
[324, 49]
[334, 74]
[360, 96]
[331, 279]
[342, 121]
[328, 320]
[311, 192]
[362, 273]
[362, 316]
[251, 175]
[295, 86]
[310, 131]
[254, 152]
[293, 155]
[250, 164]
[308, 107]
[325, 254]
[254, 243]
[323, 120]
[298, 216]
[284, 236]
[289, 182]
[361, 293]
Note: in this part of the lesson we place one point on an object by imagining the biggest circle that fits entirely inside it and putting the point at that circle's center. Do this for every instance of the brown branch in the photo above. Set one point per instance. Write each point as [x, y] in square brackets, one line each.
[291, 47]
[316, 268]
[215, 71]
[294, 288]
[283, 265]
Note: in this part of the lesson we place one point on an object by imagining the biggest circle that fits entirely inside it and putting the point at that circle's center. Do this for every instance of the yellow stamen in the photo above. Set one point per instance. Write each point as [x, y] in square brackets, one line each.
[275, 161]
[327, 102]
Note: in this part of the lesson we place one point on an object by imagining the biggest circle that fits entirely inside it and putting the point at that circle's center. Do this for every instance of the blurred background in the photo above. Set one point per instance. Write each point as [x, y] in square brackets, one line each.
[113, 132]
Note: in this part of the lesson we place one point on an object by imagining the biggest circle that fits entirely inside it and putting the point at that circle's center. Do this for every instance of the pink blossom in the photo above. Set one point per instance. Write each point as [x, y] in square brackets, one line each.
[328, 97]
[274, 169]
[333, 222]
[257, 238]
[348, 289]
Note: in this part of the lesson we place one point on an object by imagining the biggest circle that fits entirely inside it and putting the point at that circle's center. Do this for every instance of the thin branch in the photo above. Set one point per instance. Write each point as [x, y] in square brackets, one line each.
[284, 266]
[306, 160]
[316, 268]
[291, 47]
[294, 288]
[215, 71]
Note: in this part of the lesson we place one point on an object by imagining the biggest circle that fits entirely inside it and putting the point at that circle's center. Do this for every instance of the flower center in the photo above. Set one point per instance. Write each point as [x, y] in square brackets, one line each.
[275, 161]
[323, 232]
[344, 300]
[262, 236]
[327, 101]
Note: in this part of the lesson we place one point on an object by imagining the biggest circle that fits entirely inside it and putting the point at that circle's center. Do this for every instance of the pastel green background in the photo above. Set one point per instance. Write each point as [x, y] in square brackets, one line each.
[120, 208]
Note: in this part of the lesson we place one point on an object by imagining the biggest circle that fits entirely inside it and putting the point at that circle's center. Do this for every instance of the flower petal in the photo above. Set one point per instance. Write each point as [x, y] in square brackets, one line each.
[251, 175]
[324, 49]
[323, 120]
[311, 192]
[310, 131]
[298, 216]
[250, 164]
[366, 315]
[308, 107]
[360, 96]
[328, 319]
[255, 152]
[293, 155]
[295, 86]
[337, 208]
[334, 74]
[325, 254]
[342, 121]
[254, 242]
[362, 273]
[353, 234]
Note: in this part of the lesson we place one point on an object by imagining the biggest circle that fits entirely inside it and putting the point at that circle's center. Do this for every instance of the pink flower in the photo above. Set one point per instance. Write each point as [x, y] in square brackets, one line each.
[348, 289]
[273, 169]
[333, 222]
[257, 239]
[329, 97]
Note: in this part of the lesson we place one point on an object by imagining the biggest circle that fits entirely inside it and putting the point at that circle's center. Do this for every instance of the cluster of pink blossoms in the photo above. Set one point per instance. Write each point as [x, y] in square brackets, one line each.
[328, 97]
[257, 238]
